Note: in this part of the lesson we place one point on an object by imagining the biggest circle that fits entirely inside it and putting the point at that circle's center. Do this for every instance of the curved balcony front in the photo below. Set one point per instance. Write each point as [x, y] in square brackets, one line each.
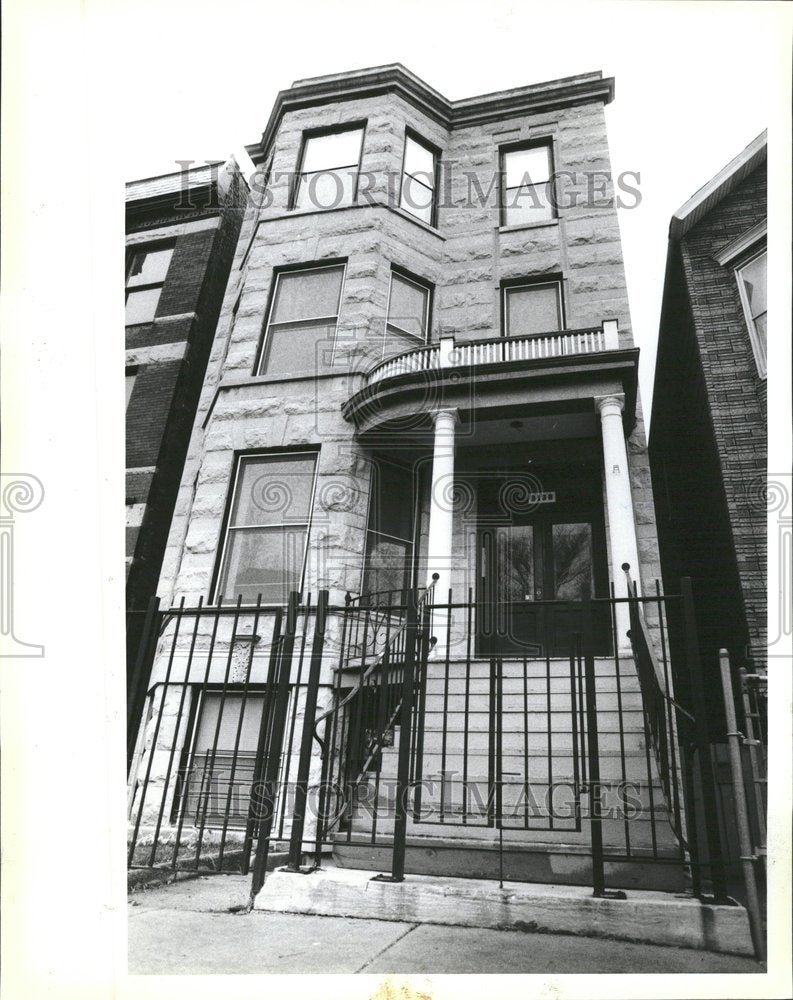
[495, 378]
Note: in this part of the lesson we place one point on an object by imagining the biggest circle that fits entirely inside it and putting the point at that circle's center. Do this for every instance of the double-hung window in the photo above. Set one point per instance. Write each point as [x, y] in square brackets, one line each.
[527, 179]
[407, 324]
[533, 308]
[389, 538]
[752, 280]
[301, 327]
[264, 547]
[419, 180]
[145, 277]
[329, 165]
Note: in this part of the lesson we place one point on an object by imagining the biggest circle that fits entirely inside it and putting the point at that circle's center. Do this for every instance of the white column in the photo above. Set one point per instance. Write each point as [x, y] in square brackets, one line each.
[619, 505]
[439, 548]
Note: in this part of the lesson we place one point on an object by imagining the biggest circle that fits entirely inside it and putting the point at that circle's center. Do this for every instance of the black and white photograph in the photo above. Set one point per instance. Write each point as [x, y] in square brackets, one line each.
[420, 607]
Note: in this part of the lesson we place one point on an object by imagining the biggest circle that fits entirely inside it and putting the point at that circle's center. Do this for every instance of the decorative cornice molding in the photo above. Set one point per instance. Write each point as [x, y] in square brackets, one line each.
[396, 79]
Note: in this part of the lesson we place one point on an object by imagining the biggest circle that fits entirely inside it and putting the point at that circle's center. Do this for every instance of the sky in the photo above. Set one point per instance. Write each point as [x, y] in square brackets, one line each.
[695, 83]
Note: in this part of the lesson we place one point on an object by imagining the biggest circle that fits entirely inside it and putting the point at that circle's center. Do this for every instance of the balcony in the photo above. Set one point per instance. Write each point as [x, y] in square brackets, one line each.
[558, 371]
[476, 353]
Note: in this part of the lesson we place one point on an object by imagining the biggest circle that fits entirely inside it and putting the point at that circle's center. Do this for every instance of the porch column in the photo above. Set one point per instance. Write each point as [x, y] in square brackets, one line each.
[619, 505]
[439, 547]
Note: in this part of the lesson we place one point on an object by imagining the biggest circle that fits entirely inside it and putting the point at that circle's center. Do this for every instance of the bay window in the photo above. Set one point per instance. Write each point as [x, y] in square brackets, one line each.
[301, 328]
[329, 165]
[419, 177]
[265, 540]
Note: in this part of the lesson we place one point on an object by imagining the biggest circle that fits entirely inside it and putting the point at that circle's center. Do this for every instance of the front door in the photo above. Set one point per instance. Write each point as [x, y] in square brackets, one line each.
[533, 562]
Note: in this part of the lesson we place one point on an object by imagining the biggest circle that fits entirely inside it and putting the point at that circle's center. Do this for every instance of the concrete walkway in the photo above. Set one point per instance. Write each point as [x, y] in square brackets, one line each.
[186, 928]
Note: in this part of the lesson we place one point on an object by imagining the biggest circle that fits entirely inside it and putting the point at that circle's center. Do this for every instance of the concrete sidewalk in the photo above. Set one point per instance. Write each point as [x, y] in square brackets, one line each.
[186, 928]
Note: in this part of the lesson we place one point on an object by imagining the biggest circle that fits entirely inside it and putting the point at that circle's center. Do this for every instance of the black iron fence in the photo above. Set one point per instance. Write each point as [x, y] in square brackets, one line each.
[315, 727]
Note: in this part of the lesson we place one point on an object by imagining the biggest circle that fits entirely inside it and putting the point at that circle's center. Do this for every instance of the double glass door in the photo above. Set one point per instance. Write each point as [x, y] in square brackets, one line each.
[530, 571]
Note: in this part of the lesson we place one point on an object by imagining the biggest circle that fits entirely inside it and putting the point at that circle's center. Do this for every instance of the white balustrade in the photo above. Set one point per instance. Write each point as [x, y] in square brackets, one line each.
[498, 350]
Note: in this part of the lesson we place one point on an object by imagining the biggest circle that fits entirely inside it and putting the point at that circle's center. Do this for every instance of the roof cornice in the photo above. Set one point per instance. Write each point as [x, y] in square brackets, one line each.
[718, 187]
[396, 79]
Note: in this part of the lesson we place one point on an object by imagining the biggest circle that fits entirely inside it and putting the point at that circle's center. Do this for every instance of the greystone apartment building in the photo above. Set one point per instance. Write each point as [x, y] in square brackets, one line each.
[423, 370]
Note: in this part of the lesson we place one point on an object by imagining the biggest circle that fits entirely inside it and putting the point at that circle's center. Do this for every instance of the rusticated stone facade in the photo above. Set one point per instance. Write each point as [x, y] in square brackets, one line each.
[466, 257]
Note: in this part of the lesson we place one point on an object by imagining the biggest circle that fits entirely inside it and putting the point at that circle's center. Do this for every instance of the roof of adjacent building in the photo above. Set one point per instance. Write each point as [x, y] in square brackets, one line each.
[718, 187]
[395, 78]
[172, 183]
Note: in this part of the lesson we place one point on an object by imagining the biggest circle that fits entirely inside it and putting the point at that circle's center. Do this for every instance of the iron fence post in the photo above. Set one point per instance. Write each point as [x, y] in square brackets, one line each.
[274, 740]
[136, 692]
[593, 753]
[702, 737]
[307, 739]
[741, 811]
[403, 766]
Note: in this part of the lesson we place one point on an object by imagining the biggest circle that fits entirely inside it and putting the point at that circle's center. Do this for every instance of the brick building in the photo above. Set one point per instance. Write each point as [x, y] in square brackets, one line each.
[708, 439]
[182, 231]
[423, 380]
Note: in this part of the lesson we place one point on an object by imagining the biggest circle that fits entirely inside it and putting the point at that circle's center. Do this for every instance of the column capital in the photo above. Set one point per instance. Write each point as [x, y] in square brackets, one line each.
[613, 404]
[450, 411]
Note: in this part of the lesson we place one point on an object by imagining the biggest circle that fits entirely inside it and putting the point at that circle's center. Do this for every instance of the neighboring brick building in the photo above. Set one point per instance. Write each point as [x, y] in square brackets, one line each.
[182, 230]
[708, 438]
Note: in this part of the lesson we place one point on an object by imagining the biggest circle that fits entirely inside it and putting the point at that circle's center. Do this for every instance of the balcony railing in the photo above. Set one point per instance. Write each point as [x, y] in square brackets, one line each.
[447, 353]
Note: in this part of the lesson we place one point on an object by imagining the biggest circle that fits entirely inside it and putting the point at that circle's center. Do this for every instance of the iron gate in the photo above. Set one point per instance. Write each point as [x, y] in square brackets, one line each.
[285, 727]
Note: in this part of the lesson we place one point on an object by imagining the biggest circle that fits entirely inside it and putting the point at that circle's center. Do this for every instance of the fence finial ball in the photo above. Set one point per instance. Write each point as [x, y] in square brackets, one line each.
[626, 566]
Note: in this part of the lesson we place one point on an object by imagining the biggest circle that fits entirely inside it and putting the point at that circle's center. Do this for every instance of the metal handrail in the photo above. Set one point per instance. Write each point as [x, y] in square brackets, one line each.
[335, 709]
[656, 708]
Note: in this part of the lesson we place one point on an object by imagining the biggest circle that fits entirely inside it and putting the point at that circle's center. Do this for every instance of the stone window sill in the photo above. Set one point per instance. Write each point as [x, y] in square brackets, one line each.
[545, 224]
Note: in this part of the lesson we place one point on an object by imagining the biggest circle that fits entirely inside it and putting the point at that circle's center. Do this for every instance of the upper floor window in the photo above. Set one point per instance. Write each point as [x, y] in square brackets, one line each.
[419, 180]
[129, 383]
[526, 176]
[407, 325]
[533, 308]
[301, 329]
[752, 279]
[145, 277]
[264, 547]
[329, 165]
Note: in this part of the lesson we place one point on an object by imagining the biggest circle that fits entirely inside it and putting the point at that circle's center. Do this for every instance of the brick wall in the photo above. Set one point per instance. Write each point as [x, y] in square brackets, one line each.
[736, 393]
[170, 356]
